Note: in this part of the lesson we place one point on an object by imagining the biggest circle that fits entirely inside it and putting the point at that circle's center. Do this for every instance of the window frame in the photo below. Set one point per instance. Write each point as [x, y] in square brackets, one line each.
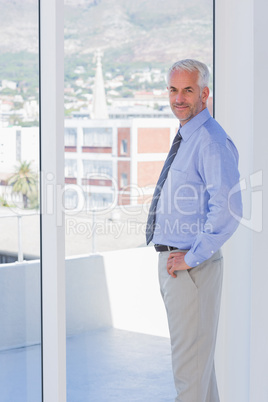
[51, 117]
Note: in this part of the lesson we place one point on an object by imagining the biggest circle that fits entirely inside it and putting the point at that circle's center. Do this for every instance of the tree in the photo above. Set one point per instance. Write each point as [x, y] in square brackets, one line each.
[24, 181]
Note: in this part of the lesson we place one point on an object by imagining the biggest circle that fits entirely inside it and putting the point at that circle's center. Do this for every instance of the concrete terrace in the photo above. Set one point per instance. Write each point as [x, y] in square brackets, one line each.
[107, 365]
[117, 338]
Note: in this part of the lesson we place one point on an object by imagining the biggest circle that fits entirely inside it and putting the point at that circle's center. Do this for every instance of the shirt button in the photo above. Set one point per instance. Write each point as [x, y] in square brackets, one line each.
[198, 262]
[212, 251]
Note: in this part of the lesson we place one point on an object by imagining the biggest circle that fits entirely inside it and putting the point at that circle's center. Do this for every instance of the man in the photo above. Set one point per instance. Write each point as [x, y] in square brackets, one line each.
[191, 217]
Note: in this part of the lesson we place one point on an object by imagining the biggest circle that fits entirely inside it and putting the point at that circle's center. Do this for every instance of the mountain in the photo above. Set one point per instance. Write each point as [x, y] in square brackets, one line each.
[137, 32]
[142, 31]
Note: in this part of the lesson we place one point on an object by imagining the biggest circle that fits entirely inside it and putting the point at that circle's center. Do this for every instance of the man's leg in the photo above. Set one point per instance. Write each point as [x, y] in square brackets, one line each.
[213, 394]
[192, 301]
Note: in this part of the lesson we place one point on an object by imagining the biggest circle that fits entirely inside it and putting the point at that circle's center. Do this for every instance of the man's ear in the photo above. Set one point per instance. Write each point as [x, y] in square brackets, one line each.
[205, 94]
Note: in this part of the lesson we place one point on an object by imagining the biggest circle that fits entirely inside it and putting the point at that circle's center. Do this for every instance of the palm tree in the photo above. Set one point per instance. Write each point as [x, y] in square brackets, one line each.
[24, 181]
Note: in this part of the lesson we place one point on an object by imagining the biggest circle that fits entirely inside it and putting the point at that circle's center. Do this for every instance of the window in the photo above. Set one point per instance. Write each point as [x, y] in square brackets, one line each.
[18, 145]
[70, 199]
[124, 147]
[97, 168]
[70, 135]
[99, 200]
[70, 168]
[116, 58]
[97, 137]
[124, 180]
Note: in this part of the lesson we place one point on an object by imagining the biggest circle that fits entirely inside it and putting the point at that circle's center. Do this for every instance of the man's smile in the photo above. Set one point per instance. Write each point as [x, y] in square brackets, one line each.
[180, 107]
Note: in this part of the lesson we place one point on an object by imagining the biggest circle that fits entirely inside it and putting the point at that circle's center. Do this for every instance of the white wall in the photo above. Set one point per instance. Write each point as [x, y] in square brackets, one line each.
[87, 295]
[29, 147]
[118, 289]
[135, 299]
[241, 107]
[7, 149]
[20, 312]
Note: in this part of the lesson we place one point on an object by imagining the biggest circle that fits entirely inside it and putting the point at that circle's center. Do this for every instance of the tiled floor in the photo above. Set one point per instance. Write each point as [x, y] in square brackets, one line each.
[102, 366]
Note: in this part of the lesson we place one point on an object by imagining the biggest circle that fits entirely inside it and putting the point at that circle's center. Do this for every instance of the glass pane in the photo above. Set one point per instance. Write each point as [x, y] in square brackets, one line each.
[20, 313]
[118, 130]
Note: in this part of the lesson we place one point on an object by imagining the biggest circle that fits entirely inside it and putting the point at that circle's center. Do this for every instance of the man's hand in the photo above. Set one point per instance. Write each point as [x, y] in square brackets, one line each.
[176, 263]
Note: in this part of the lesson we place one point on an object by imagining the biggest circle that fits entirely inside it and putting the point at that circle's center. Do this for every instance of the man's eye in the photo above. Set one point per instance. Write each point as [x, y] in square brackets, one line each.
[189, 90]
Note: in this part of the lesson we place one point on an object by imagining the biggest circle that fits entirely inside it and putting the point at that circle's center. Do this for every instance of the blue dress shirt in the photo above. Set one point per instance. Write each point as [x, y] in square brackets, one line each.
[201, 199]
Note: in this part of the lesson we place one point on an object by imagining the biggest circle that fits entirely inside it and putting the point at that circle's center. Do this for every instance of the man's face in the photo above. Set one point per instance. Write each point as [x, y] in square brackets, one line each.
[186, 99]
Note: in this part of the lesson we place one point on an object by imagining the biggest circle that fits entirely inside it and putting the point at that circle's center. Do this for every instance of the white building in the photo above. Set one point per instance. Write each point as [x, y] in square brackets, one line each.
[18, 144]
[108, 161]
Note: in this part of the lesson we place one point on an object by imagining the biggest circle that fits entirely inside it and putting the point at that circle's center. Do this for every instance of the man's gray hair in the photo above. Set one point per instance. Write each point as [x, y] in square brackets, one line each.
[191, 66]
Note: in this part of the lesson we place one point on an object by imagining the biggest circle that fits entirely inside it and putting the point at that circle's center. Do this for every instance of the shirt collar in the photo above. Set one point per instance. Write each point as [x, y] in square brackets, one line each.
[192, 125]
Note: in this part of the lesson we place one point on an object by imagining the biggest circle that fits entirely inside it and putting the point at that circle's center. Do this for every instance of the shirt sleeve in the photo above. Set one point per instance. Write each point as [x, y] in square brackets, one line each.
[218, 168]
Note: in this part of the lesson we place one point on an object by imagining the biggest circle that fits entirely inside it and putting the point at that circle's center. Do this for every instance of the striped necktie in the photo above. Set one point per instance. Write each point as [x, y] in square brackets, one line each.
[162, 178]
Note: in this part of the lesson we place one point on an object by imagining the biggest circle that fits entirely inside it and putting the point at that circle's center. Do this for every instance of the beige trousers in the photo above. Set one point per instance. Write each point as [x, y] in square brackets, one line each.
[192, 301]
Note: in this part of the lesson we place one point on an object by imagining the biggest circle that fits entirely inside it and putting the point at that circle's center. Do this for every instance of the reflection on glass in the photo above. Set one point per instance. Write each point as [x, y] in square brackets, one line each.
[118, 130]
[20, 351]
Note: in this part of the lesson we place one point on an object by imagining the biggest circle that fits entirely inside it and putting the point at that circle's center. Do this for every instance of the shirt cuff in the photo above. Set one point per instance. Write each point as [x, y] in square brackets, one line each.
[191, 259]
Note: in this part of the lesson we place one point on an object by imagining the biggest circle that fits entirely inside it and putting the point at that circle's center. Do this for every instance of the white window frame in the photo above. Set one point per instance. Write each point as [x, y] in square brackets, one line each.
[51, 21]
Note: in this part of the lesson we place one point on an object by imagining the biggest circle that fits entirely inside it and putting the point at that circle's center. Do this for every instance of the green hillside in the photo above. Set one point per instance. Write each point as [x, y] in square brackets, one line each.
[131, 34]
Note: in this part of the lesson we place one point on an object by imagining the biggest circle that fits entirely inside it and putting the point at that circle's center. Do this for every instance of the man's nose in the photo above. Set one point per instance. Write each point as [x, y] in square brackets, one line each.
[179, 97]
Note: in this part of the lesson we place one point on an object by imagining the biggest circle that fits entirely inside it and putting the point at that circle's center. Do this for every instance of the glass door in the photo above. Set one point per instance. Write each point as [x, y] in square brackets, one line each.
[118, 130]
[20, 307]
